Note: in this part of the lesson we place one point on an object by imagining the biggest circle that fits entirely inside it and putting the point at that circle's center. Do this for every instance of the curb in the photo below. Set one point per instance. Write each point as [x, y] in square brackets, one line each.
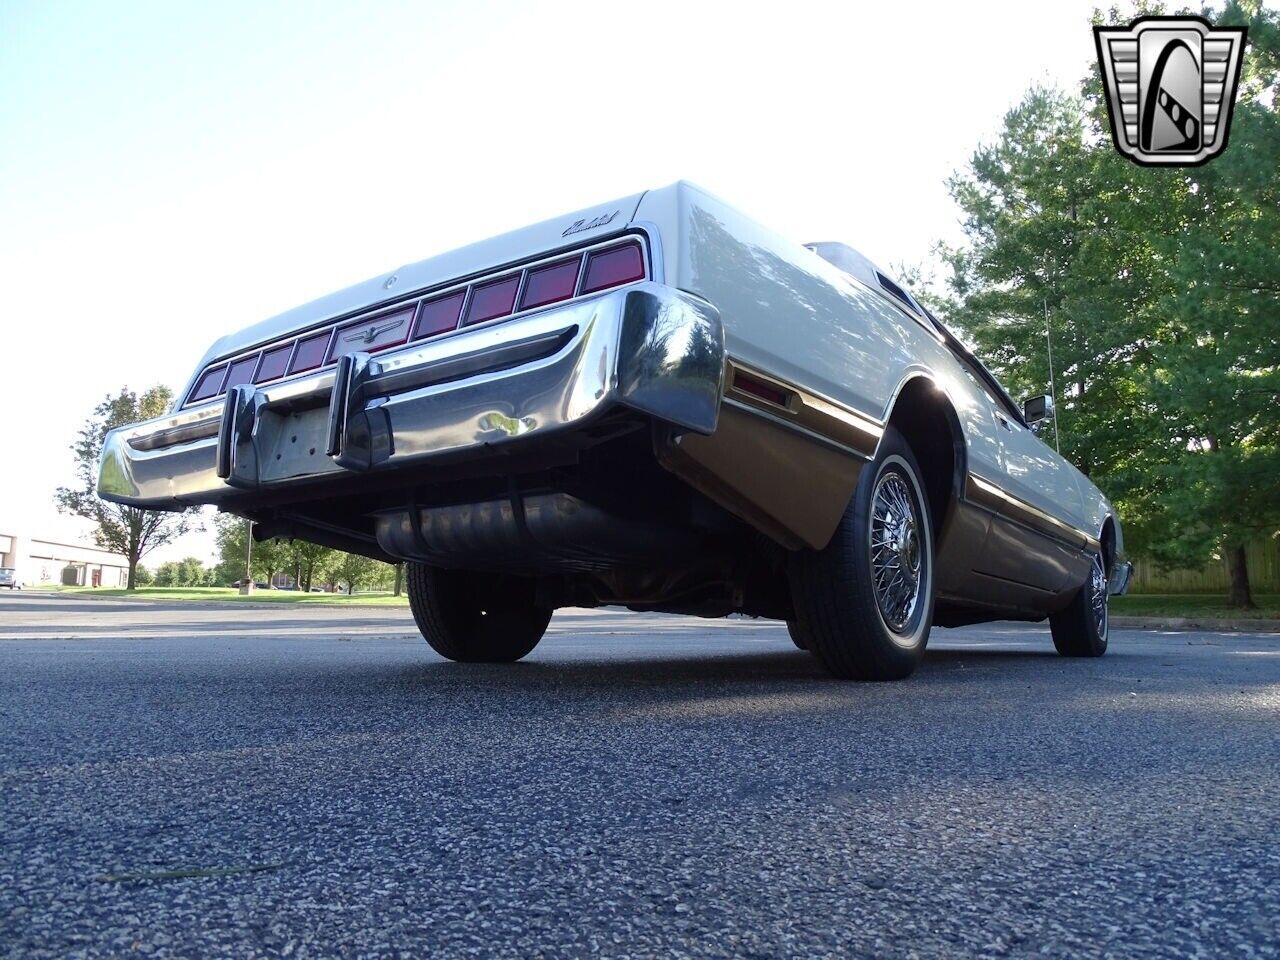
[1209, 624]
[221, 604]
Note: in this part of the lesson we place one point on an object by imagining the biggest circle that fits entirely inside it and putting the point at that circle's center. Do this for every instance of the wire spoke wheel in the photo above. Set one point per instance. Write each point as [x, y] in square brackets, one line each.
[896, 556]
[1099, 596]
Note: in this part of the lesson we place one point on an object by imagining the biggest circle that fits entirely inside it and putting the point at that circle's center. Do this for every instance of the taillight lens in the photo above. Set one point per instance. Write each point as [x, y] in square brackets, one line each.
[490, 300]
[609, 268]
[241, 372]
[310, 352]
[439, 315]
[274, 363]
[550, 284]
[209, 384]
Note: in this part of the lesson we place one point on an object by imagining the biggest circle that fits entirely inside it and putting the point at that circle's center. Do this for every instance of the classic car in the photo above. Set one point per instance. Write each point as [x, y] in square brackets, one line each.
[655, 403]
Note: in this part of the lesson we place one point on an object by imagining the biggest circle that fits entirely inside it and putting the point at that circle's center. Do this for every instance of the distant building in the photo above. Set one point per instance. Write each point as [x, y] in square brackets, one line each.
[45, 561]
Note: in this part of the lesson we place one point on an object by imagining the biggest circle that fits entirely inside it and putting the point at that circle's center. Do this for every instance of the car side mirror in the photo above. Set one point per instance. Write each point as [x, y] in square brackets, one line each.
[1038, 411]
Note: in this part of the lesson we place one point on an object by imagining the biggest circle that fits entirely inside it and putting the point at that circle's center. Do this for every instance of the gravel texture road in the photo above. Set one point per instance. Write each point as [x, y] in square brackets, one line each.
[179, 780]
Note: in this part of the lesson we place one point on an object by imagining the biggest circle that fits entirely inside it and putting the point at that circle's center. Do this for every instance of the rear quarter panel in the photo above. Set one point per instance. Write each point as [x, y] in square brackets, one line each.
[790, 313]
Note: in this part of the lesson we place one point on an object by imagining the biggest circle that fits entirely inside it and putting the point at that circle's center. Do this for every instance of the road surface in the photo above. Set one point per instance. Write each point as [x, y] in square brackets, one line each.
[185, 780]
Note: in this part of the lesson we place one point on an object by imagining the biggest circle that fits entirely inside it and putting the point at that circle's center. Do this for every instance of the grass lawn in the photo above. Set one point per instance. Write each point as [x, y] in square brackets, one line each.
[232, 595]
[1206, 605]
[1135, 605]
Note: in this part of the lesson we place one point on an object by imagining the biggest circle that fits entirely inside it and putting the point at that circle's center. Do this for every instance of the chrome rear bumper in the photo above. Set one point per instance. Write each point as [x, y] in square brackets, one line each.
[646, 347]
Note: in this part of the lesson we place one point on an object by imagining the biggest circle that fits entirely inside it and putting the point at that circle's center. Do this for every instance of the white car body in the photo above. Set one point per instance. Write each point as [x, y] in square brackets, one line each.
[766, 372]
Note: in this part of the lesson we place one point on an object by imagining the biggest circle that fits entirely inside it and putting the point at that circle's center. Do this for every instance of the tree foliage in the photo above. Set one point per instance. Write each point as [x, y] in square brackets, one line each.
[1162, 294]
[130, 531]
[309, 564]
[269, 557]
[359, 572]
[187, 572]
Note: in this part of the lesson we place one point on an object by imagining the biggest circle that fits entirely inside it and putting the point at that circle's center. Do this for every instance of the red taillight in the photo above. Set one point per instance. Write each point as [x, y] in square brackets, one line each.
[609, 268]
[209, 384]
[310, 352]
[274, 363]
[490, 300]
[241, 372]
[440, 315]
[550, 284]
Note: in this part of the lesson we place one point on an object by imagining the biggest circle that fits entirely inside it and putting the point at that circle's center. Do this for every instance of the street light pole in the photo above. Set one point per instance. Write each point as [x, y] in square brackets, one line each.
[246, 581]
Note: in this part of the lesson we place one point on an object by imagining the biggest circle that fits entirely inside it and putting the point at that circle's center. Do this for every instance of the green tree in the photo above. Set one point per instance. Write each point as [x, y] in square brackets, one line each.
[360, 572]
[144, 577]
[191, 572]
[1158, 288]
[312, 563]
[168, 574]
[1215, 390]
[269, 557]
[129, 531]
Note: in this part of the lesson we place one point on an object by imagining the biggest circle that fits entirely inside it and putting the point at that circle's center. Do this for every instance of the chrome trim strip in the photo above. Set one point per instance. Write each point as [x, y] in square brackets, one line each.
[984, 493]
[172, 436]
[472, 363]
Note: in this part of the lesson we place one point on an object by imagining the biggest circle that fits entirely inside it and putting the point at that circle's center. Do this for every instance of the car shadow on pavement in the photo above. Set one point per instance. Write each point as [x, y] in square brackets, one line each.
[781, 668]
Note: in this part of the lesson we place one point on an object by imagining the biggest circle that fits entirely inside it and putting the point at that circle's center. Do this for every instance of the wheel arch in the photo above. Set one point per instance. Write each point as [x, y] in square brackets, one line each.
[923, 413]
[1107, 537]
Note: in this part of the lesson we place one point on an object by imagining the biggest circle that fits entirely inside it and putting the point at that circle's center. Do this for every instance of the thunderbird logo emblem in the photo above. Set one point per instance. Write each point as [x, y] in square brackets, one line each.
[372, 333]
[1170, 84]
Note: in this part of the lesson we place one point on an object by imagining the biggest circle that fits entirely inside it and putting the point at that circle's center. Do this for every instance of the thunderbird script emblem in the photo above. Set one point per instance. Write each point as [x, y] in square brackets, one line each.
[1170, 83]
[370, 334]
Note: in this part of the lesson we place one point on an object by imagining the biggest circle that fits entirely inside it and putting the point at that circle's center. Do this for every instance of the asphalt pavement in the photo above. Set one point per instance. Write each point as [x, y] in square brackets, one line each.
[203, 781]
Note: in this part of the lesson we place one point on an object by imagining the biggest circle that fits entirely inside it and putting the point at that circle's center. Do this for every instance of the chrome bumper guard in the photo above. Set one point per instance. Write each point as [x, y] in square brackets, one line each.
[646, 347]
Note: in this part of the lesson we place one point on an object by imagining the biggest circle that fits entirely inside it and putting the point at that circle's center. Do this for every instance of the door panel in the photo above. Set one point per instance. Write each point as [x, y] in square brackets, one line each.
[1037, 475]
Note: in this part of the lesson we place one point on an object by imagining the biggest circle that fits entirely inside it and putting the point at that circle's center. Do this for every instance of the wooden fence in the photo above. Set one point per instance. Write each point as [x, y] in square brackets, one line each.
[1264, 573]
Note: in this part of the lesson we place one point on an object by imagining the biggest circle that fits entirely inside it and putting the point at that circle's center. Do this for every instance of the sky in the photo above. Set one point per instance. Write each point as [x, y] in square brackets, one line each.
[172, 172]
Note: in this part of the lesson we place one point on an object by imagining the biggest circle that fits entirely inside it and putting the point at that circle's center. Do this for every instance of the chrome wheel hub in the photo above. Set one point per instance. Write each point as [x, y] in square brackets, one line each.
[896, 553]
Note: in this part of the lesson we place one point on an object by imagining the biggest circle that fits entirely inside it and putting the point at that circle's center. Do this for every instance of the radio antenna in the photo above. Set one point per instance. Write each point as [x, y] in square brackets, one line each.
[1053, 394]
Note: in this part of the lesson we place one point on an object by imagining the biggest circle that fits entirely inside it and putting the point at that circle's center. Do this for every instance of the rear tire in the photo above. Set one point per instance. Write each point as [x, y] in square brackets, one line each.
[1081, 630]
[475, 618]
[797, 635]
[864, 603]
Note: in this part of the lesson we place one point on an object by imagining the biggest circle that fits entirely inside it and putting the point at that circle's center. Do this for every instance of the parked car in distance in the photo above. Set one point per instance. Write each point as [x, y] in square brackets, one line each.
[656, 403]
[257, 585]
[9, 578]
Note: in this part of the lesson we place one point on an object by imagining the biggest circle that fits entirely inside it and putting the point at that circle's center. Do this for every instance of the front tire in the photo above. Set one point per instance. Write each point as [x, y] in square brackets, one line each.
[864, 603]
[1081, 630]
[475, 618]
